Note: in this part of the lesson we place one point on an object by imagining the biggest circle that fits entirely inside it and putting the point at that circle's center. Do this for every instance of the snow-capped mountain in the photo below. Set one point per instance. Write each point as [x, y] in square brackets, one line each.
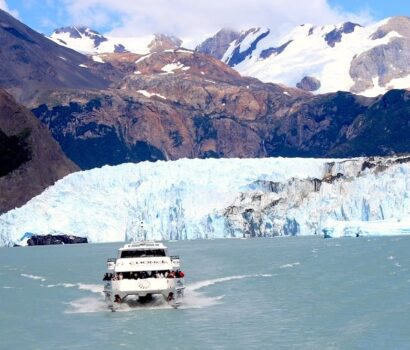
[89, 41]
[349, 57]
[189, 199]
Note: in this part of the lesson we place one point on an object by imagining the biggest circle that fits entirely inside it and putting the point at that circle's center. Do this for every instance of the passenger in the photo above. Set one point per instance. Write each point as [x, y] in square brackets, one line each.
[105, 278]
[170, 296]
[120, 276]
[171, 274]
[117, 299]
[179, 274]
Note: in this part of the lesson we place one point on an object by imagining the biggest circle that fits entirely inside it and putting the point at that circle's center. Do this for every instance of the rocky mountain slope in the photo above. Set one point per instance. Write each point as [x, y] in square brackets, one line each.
[189, 199]
[30, 159]
[30, 63]
[178, 103]
[168, 105]
[349, 57]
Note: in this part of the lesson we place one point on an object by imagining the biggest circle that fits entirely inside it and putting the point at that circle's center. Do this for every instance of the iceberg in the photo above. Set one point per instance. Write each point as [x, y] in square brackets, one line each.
[217, 198]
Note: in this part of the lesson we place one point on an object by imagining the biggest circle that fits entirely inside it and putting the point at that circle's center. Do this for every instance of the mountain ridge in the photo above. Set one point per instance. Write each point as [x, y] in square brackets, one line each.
[346, 57]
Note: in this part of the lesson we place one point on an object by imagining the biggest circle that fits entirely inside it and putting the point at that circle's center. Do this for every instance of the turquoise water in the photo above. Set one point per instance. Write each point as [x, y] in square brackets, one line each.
[280, 293]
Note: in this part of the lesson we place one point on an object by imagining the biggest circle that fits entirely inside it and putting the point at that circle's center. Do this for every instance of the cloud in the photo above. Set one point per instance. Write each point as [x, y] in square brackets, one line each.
[4, 6]
[197, 18]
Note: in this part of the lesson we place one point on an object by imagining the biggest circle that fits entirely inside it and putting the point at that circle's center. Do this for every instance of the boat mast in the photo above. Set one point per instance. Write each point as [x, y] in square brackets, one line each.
[142, 233]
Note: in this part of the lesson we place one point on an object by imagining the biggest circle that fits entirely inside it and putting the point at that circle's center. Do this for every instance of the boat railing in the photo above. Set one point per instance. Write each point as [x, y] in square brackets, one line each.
[112, 260]
[174, 257]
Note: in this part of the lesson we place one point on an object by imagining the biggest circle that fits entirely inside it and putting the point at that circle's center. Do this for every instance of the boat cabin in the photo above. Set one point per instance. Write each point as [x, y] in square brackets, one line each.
[142, 250]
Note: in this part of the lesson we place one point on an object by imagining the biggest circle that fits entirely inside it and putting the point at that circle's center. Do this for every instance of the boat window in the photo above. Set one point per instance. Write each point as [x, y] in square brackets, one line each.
[142, 253]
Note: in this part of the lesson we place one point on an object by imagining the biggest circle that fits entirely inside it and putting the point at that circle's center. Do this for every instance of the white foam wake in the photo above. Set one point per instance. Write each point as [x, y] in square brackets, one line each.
[290, 265]
[33, 277]
[86, 305]
[193, 299]
[201, 284]
[94, 288]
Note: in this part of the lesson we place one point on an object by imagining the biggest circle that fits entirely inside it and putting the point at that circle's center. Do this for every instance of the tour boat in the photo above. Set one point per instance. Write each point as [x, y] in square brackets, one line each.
[143, 269]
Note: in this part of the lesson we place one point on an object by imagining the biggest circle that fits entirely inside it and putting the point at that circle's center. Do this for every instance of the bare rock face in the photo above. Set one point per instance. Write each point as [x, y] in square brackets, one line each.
[385, 62]
[274, 50]
[30, 63]
[335, 36]
[35, 240]
[164, 42]
[238, 54]
[179, 104]
[176, 104]
[219, 43]
[309, 84]
[30, 159]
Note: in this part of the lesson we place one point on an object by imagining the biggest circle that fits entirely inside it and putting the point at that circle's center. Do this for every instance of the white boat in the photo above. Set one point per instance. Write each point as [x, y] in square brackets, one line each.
[142, 270]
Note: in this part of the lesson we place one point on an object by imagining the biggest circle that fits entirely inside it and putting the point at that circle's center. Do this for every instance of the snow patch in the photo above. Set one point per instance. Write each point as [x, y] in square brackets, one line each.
[399, 83]
[150, 94]
[142, 58]
[97, 59]
[172, 67]
[85, 43]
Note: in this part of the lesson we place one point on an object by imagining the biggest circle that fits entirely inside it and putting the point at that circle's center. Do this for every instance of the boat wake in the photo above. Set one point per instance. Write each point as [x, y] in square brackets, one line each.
[94, 288]
[202, 284]
[33, 277]
[193, 299]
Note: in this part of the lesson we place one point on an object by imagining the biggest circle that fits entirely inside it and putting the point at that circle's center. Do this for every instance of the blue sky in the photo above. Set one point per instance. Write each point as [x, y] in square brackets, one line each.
[379, 9]
[127, 17]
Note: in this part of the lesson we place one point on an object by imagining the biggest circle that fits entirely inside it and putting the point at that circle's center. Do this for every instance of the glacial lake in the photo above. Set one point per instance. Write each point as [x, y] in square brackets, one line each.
[277, 293]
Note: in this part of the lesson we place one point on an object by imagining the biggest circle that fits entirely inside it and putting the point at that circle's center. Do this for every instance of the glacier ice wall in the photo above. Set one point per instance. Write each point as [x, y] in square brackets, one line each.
[188, 199]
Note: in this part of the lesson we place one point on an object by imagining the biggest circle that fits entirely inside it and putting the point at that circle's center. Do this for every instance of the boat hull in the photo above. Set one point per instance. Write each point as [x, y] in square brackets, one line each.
[120, 289]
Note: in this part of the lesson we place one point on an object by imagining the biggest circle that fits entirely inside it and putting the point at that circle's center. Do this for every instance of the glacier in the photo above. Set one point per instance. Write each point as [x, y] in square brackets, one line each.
[216, 198]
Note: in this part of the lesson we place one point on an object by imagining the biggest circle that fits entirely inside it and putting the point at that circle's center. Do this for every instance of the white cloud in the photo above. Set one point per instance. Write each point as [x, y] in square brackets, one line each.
[200, 17]
[4, 6]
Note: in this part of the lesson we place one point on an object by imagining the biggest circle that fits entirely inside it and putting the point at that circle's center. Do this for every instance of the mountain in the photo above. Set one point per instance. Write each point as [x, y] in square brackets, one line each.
[169, 105]
[219, 43]
[210, 198]
[89, 41]
[30, 159]
[30, 63]
[348, 57]
[177, 104]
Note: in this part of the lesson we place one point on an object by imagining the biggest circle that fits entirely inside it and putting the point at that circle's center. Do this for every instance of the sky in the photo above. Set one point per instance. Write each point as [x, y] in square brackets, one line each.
[196, 17]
